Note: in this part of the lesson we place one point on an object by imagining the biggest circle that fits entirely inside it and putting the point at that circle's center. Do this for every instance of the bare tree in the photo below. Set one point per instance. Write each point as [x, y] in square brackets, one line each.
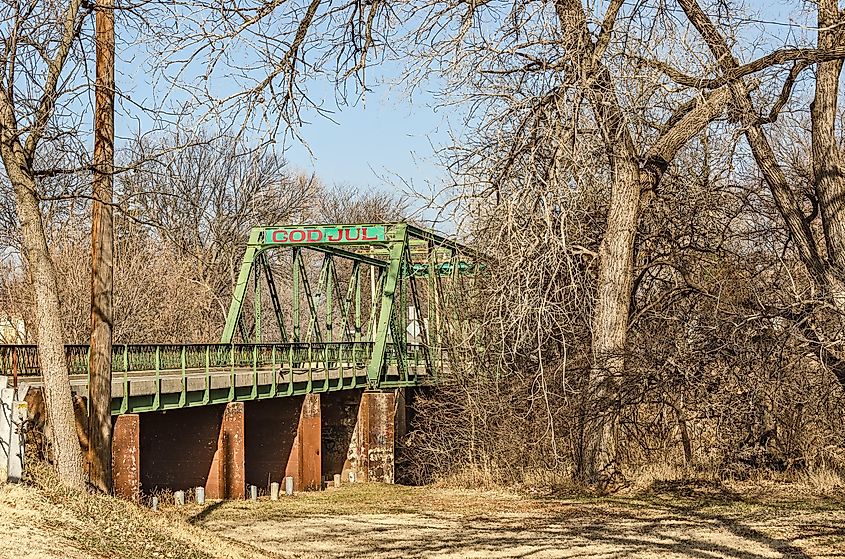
[37, 57]
[204, 199]
[347, 204]
[825, 270]
[553, 87]
[634, 170]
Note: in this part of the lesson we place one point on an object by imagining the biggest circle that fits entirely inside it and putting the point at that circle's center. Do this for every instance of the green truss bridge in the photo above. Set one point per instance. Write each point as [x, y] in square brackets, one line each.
[316, 308]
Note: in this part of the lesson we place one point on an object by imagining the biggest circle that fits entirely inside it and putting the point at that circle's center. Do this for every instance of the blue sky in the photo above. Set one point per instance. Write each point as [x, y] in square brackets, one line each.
[375, 143]
[391, 135]
[380, 141]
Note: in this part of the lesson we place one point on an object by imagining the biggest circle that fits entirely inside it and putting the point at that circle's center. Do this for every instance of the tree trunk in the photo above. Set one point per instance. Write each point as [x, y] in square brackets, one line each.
[597, 458]
[102, 256]
[616, 263]
[598, 462]
[51, 351]
[828, 167]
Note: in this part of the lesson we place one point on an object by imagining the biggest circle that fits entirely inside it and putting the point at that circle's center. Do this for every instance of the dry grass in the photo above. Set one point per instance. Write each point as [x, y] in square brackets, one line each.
[668, 516]
[788, 486]
[45, 520]
[359, 498]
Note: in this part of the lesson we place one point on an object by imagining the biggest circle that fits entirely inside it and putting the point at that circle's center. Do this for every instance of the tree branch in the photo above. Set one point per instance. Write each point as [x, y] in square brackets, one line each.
[48, 97]
[732, 70]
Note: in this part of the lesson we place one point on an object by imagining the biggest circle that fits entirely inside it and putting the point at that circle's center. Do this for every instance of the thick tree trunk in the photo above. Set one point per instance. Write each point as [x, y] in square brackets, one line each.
[18, 156]
[102, 256]
[600, 399]
[616, 262]
[631, 175]
[51, 351]
[598, 462]
[828, 165]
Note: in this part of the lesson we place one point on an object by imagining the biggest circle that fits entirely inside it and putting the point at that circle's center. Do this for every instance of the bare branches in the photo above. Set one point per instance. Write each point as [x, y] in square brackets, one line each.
[693, 120]
[786, 91]
[72, 24]
[286, 65]
[732, 70]
[763, 153]
[607, 28]
[283, 47]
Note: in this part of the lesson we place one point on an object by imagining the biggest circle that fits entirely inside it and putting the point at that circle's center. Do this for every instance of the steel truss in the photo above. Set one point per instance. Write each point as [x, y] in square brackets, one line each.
[406, 265]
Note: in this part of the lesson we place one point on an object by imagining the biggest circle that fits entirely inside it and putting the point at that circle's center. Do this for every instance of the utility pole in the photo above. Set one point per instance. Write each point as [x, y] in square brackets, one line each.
[102, 254]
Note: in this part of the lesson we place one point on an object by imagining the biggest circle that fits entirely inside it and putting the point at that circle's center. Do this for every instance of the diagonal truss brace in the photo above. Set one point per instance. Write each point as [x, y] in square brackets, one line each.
[396, 251]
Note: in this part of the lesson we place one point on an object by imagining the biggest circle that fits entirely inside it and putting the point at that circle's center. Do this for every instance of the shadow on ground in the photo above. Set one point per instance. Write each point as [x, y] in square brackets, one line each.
[695, 521]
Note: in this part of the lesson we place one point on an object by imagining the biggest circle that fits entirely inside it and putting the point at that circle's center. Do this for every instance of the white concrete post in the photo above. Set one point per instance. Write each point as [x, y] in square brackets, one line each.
[274, 491]
[289, 485]
[13, 414]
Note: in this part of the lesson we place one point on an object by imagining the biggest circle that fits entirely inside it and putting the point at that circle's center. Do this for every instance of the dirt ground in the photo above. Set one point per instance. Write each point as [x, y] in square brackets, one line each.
[49, 522]
[680, 520]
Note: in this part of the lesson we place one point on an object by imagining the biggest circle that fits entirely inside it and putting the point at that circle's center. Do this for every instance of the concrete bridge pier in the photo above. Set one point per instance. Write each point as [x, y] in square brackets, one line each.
[376, 436]
[360, 430]
[226, 476]
[305, 461]
[126, 456]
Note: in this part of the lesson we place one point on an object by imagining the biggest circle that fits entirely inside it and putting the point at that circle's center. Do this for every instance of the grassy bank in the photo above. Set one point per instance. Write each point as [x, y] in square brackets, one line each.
[44, 520]
[680, 518]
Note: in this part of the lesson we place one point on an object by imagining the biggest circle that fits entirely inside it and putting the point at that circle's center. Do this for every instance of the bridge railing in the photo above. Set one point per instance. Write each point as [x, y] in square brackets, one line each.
[23, 361]
[410, 360]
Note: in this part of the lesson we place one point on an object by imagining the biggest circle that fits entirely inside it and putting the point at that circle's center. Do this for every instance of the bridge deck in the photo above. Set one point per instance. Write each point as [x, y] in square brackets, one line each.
[170, 389]
[154, 378]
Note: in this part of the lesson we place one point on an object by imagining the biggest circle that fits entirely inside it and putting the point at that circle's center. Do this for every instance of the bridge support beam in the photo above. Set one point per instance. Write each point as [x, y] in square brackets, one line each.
[375, 437]
[126, 456]
[305, 461]
[359, 434]
[226, 476]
